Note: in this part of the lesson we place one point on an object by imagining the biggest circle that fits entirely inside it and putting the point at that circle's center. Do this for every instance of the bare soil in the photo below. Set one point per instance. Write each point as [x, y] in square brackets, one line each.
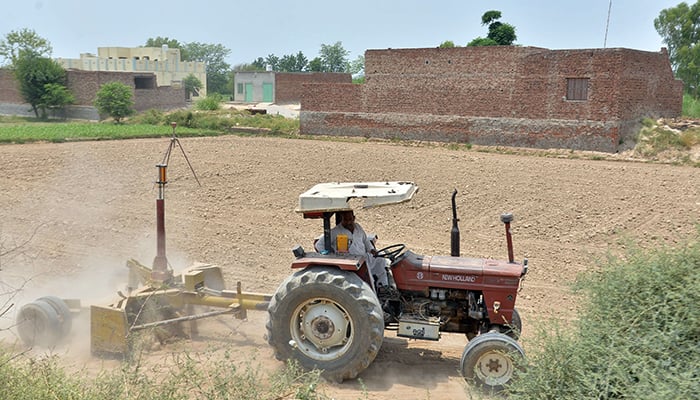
[73, 213]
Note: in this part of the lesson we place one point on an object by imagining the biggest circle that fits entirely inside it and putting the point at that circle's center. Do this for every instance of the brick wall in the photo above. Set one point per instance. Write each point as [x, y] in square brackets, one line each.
[503, 95]
[85, 84]
[9, 90]
[289, 86]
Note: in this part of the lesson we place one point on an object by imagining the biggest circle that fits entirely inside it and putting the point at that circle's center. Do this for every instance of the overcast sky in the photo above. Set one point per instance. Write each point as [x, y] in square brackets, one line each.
[252, 29]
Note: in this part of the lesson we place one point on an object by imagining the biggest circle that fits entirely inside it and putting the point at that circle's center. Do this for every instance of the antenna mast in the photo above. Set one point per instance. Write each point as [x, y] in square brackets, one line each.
[607, 24]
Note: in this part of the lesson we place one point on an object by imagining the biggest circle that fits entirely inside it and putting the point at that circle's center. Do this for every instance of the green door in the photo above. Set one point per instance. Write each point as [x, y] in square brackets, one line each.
[248, 92]
[267, 92]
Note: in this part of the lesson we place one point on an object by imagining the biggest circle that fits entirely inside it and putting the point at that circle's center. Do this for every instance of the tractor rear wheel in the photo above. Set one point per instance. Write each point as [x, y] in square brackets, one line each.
[491, 361]
[326, 319]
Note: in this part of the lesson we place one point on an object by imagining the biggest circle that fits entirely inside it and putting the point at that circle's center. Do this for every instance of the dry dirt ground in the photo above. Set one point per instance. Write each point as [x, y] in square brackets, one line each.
[73, 213]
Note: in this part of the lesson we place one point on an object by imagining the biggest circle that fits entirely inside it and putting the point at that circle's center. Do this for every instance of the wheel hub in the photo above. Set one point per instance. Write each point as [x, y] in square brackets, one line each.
[324, 329]
[495, 368]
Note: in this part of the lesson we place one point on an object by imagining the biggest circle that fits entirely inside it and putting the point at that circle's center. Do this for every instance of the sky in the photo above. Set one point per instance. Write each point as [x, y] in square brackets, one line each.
[252, 29]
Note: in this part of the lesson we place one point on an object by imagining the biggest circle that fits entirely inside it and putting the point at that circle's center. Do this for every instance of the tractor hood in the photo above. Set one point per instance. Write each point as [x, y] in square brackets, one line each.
[335, 196]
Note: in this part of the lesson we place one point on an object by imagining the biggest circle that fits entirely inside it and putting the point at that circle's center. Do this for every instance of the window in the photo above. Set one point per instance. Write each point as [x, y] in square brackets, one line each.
[577, 88]
[239, 88]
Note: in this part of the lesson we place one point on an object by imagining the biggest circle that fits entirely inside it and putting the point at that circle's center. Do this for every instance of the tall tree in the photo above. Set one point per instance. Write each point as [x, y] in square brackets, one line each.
[272, 62]
[315, 65]
[38, 77]
[334, 57]
[259, 63]
[293, 62]
[24, 42]
[679, 28]
[357, 65]
[217, 67]
[499, 33]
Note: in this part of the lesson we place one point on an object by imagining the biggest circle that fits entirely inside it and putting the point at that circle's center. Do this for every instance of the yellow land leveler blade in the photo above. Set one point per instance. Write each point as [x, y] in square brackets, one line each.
[162, 308]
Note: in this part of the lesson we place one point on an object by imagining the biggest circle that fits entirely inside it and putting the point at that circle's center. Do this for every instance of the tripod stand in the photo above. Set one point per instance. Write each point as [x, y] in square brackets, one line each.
[174, 141]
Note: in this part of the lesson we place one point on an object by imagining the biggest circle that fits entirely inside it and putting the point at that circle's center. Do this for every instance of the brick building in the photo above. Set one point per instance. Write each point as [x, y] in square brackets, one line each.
[590, 99]
[279, 87]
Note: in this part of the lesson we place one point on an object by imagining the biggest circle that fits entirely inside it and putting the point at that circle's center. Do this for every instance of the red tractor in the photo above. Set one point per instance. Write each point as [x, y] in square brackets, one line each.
[330, 315]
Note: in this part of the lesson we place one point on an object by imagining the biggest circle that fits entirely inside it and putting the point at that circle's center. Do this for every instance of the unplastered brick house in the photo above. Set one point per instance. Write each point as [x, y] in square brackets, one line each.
[584, 99]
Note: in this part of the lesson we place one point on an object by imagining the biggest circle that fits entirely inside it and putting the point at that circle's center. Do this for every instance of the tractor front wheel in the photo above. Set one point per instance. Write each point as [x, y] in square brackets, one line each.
[491, 361]
[326, 319]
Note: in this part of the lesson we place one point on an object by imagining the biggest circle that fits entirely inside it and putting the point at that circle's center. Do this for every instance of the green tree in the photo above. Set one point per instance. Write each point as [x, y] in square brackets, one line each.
[24, 42]
[214, 55]
[334, 58]
[357, 65]
[293, 62]
[679, 28]
[447, 44]
[192, 85]
[116, 100]
[259, 63]
[272, 62]
[56, 97]
[499, 33]
[34, 74]
[482, 42]
[315, 65]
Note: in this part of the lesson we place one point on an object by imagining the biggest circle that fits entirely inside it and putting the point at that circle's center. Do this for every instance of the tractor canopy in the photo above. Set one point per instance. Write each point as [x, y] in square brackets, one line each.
[336, 196]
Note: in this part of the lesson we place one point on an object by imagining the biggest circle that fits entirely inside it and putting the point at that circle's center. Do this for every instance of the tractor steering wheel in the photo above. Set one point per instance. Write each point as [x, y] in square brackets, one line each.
[391, 252]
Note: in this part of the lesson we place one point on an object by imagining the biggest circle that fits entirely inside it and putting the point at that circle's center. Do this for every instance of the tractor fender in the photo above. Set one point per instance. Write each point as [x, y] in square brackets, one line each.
[345, 262]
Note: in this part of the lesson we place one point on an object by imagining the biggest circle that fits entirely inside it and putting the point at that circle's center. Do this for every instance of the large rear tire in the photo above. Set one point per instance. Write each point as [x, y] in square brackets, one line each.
[326, 319]
[491, 361]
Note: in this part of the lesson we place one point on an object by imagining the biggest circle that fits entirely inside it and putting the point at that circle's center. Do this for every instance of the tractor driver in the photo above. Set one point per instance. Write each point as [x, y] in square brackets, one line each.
[358, 244]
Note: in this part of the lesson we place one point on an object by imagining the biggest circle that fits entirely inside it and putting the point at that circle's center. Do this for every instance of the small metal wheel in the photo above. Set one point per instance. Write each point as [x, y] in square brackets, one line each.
[491, 361]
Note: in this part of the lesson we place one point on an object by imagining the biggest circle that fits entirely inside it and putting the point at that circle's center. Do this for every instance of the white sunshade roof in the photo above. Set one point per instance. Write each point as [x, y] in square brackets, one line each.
[335, 196]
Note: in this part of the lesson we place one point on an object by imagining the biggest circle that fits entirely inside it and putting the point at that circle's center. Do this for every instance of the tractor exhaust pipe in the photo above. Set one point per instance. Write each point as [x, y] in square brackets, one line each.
[454, 234]
[507, 218]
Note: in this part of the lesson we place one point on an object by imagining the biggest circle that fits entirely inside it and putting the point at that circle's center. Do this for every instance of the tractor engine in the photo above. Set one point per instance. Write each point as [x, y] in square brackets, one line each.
[422, 315]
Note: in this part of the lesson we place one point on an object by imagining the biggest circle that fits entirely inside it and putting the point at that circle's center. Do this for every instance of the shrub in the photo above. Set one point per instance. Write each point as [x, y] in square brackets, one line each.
[215, 374]
[636, 338]
[115, 99]
[691, 106]
[182, 118]
[210, 103]
[150, 117]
